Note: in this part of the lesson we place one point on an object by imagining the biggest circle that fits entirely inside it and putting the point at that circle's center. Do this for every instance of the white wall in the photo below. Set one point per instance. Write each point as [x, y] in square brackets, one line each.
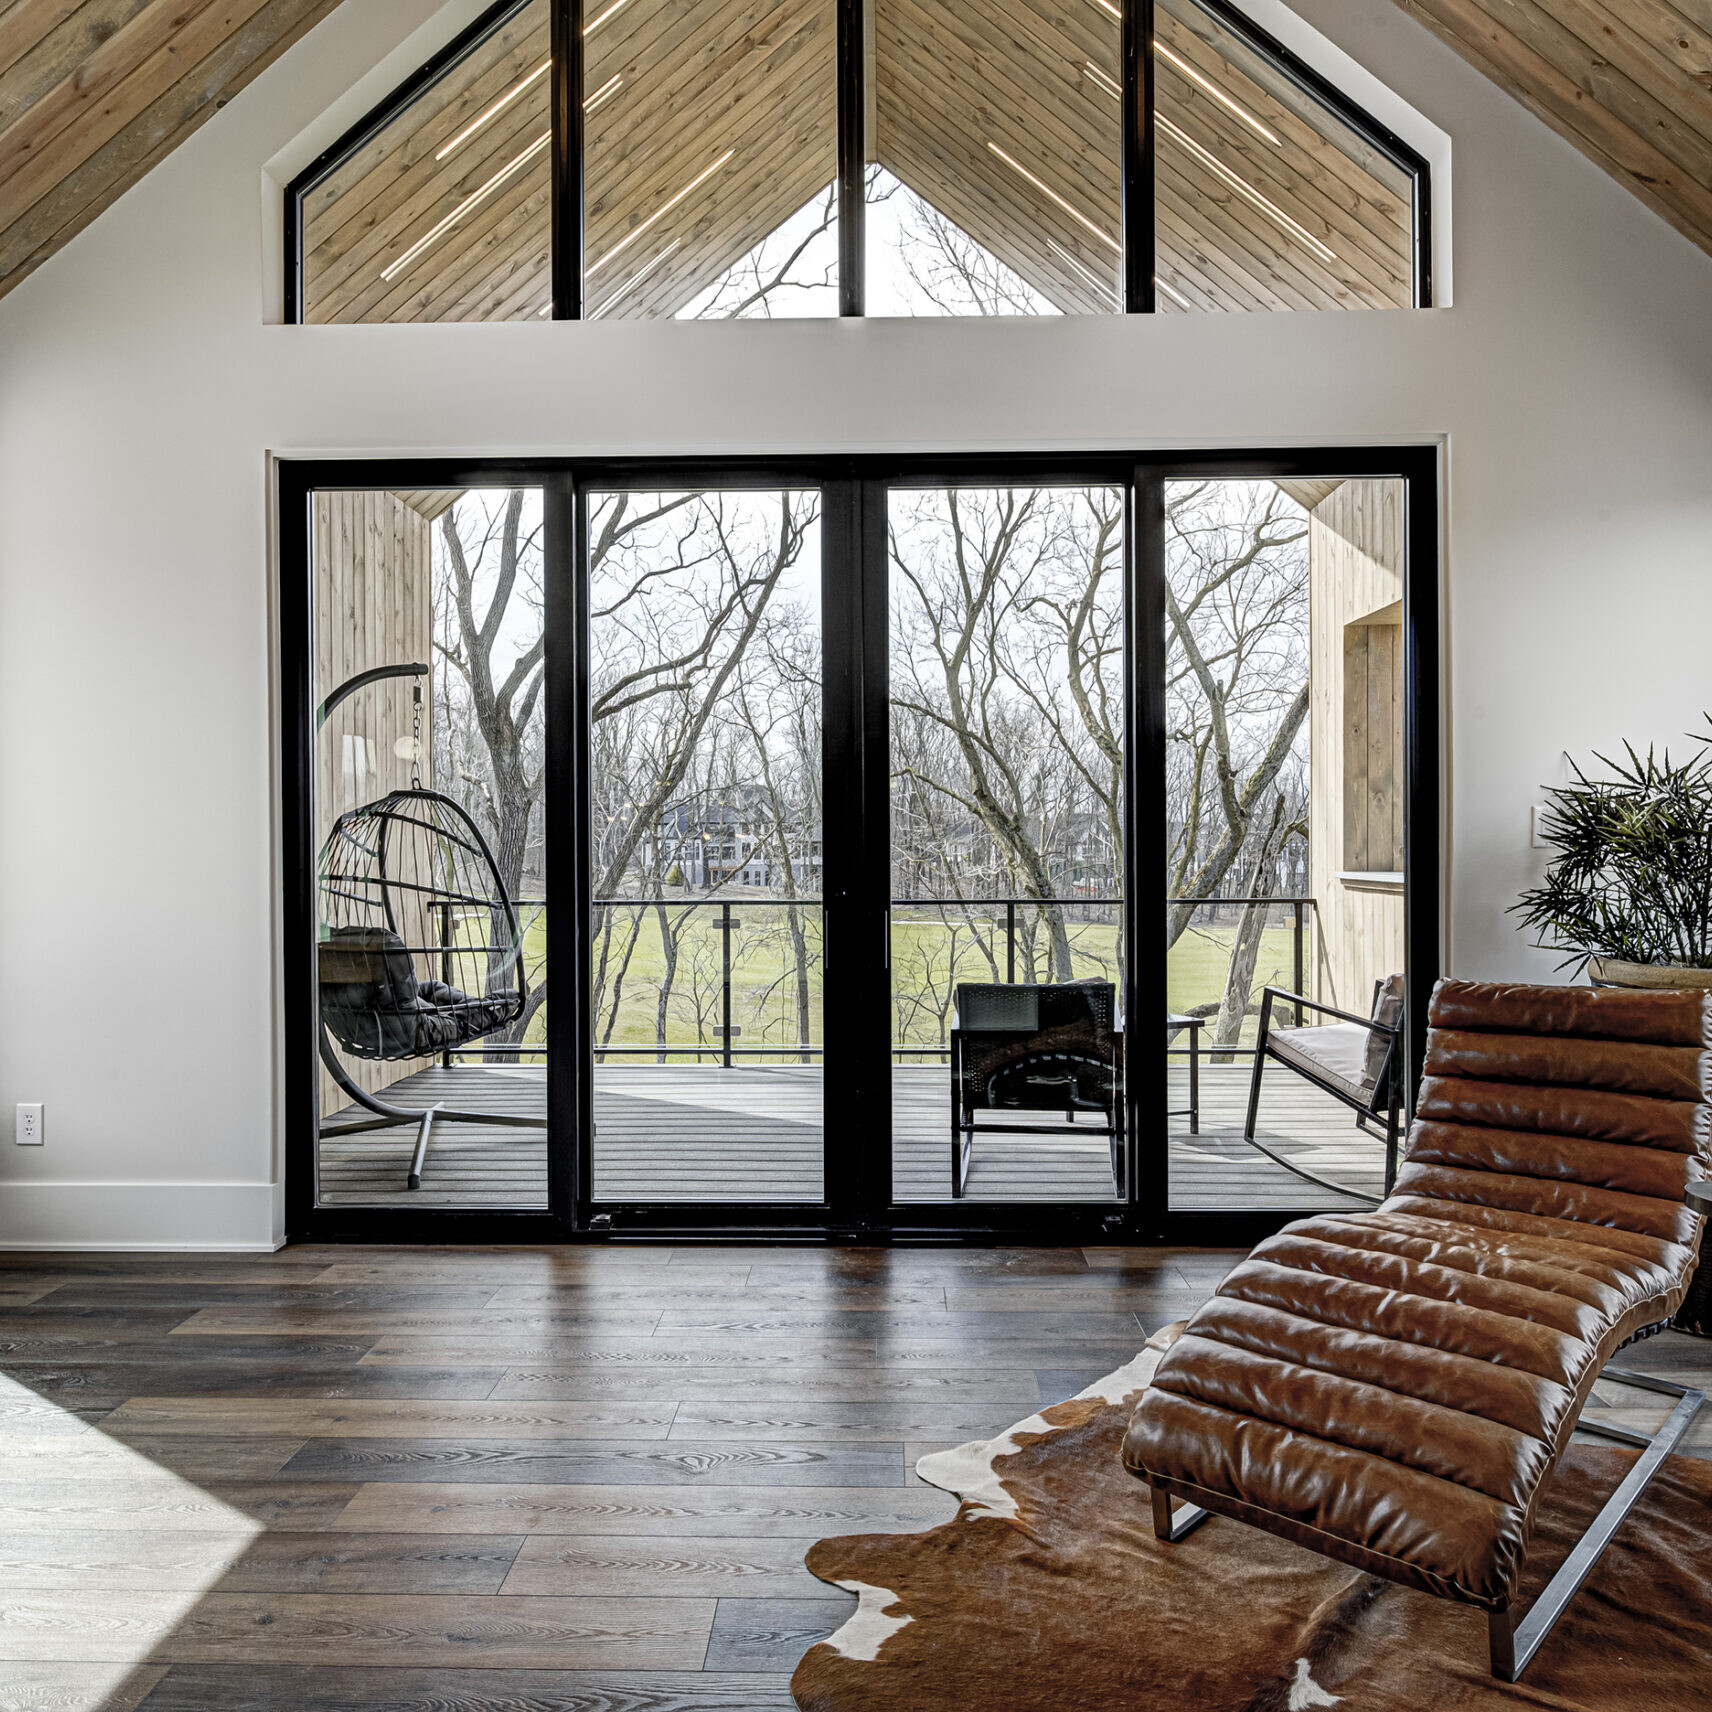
[141, 395]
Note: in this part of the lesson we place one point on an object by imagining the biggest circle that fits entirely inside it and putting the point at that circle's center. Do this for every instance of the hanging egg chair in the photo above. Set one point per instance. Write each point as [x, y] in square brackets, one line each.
[419, 950]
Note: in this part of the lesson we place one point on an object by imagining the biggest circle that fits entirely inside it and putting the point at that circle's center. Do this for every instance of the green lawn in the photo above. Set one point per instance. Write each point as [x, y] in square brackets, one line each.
[928, 959]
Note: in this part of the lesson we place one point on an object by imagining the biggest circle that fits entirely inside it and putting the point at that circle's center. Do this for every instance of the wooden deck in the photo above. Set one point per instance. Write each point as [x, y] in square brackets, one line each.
[753, 1133]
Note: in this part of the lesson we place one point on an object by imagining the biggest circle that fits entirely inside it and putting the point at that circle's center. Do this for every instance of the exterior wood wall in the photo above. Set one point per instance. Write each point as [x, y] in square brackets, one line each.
[373, 607]
[1355, 574]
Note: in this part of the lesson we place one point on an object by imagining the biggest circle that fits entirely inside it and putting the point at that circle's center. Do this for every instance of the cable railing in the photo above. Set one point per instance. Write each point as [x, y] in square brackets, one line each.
[723, 1048]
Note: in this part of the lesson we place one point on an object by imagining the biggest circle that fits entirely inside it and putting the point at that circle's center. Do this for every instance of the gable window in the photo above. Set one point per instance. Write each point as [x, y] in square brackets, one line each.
[581, 159]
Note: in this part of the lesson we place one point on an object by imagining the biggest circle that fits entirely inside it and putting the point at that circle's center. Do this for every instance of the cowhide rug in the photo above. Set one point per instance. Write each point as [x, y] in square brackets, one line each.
[1049, 1593]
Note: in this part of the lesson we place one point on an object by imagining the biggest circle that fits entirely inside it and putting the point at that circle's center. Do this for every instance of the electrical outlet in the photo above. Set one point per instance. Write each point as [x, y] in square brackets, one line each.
[29, 1131]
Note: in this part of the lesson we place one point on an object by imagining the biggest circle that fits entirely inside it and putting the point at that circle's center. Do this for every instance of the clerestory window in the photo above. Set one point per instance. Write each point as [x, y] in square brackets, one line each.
[580, 159]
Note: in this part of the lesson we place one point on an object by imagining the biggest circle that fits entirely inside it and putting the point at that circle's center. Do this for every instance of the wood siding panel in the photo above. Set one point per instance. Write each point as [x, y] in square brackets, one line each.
[1355, 560]
[373, 558]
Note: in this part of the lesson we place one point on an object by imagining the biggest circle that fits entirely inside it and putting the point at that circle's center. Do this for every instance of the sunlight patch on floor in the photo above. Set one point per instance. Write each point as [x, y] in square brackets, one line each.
[104, 1556]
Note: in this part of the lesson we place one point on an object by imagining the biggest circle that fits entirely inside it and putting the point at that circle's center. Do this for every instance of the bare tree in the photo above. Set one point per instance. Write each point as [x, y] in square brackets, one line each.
[1237, 679]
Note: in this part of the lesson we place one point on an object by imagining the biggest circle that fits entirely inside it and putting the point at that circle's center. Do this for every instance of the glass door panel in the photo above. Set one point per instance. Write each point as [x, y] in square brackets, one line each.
[430, 906]
[705, 817]
[1007, 934]
[1284, 834]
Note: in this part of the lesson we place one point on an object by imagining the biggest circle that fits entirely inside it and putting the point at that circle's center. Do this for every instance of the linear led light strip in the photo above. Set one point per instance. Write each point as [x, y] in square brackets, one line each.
[665, 208]
[1243, 188]
[1174, 295]
[1102, 80]
[467, 204]
[1218, 94]
[1107, 6]
[498, 107]
[595, 23]
[1046, 190]
[634, 280]
[1112, 89]
[609, 88]
[1081, 269]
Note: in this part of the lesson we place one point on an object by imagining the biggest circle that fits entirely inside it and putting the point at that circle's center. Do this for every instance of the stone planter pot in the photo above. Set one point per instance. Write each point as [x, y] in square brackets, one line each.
[1613, 972]
[1695, 1314]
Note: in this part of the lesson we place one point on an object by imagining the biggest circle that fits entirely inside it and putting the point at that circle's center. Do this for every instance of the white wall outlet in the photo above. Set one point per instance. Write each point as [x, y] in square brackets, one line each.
[29, 1130]
[1535, 836]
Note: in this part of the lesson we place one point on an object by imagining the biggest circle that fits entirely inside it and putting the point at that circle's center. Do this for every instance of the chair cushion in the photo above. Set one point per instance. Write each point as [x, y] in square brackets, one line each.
[1393, 1387]
[1387, 1009]
[1336, 1052]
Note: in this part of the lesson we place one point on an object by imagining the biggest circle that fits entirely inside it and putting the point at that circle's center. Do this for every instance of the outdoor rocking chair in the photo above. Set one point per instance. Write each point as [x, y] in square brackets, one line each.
[1357, 1060]
[1036, 1049]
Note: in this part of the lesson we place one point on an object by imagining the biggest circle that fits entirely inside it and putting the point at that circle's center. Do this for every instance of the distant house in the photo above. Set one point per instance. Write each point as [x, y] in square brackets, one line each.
[703, 846]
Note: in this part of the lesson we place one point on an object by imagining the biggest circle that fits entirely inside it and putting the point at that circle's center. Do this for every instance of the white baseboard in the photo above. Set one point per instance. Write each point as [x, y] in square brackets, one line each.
[142, 1217]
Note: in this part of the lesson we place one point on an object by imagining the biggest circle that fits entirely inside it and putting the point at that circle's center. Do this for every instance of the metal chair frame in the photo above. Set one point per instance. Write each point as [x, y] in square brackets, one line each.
[1385, 1106]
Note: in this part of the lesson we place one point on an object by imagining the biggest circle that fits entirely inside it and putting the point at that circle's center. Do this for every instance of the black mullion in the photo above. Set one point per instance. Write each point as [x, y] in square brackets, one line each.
[1147, 1070]
[297, 817]
[1139, 165]
[1421, 808]
[843, 1065]
[564, 825]
[874, 782]
[852, 157]
[567, 216]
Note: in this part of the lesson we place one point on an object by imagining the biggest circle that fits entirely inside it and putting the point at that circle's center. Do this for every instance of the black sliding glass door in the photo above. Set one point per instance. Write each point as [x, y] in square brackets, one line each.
[920, 841]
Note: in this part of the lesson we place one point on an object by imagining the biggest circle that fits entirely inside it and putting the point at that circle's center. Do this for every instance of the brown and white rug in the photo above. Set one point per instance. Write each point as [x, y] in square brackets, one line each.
[1049, 1593]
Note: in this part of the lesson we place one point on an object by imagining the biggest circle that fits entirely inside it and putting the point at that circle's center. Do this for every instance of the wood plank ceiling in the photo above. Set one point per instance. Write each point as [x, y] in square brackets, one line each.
[1628, 82]
[95, 92]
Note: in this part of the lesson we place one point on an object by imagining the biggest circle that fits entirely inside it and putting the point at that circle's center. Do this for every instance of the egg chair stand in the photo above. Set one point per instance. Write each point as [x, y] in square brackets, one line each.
[407, 883]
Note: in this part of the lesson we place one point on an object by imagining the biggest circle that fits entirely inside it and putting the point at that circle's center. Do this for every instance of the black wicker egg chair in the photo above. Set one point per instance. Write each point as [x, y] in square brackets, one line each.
[419, 952]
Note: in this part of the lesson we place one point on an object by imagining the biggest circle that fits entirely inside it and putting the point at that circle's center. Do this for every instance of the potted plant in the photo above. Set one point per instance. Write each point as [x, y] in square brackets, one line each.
[1628, 892]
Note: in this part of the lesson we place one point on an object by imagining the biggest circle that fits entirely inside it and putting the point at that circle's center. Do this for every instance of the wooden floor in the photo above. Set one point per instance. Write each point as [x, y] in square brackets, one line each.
[560, 1480]
[753, 1133]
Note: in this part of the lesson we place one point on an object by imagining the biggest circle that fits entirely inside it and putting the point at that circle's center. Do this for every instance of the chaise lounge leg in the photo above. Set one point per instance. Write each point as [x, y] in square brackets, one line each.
[1163, 1527]
[1516, 1638]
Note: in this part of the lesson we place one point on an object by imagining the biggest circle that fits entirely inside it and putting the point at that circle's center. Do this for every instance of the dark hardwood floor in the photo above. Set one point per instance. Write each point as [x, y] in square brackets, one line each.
[556, 1480]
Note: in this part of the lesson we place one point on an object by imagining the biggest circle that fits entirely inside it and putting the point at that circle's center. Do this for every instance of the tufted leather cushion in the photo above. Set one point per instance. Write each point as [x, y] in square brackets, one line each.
[1393, 1387]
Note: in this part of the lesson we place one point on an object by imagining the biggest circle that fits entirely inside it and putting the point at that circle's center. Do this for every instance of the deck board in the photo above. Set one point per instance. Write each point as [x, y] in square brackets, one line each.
[684, 1132]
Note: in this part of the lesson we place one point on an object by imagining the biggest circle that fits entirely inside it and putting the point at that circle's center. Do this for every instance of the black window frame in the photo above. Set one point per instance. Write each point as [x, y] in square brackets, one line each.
[858, 1205]
[1137, 169]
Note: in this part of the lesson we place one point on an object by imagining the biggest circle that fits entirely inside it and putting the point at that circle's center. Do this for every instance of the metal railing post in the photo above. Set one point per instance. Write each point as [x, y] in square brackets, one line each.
[725, 972]
[1010, 941]
[1296, 985]
[445, 911]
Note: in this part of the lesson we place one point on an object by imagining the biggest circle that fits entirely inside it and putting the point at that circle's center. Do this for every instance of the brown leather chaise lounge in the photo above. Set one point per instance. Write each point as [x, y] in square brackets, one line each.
[1392, 1388]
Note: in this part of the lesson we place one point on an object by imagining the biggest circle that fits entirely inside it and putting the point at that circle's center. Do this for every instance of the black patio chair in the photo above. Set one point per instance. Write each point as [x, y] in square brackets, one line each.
[1357, 1060]
[1042, 1048]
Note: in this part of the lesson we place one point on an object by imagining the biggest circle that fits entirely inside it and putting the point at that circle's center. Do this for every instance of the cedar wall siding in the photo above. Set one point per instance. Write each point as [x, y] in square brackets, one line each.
[1355, 576]
[373, 607]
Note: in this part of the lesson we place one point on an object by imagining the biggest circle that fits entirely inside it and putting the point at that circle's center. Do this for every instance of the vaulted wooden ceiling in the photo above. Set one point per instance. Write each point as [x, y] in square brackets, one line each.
[94, 92]
[1628, 82]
